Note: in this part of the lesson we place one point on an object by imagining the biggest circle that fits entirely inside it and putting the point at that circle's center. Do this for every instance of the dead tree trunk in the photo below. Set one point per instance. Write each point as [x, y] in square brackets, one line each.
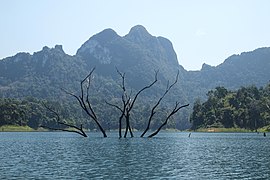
[128, 128]
[175, 110]
[126, 107]
[80, 129]
[122, 110]
[128, 103]
[85, 102]
[132, 102]
[153, 112]
[125, 101]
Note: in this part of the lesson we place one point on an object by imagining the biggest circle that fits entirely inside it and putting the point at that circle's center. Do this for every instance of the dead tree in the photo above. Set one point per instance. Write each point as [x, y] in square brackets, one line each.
[79, 130]
[125, 110]
[128, 103]
[125, 101]
[153, 112]
[175, 110]
[84, 100]
[122, 110]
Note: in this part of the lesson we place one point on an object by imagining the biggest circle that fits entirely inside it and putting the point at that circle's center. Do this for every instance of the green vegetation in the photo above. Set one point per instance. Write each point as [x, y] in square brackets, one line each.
[246, 108]
[15, 128]
[222, 130]
[264, 129]
[31, 112]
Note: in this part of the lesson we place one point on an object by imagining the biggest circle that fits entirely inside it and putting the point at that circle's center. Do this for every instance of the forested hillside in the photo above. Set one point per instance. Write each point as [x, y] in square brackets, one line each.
[247, 107]
[44, 74]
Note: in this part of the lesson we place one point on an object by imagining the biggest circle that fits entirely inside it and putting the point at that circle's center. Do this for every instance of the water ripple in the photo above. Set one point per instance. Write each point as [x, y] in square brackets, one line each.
[168, 156]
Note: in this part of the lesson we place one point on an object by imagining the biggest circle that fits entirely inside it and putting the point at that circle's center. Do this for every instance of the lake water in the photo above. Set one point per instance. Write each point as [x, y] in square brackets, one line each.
[62, 155]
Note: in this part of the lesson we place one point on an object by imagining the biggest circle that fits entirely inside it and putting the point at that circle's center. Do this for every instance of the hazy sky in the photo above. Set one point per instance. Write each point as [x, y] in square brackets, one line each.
[202, 31]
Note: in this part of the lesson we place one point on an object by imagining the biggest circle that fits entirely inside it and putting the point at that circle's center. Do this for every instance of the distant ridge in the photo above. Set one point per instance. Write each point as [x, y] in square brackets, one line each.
[138, 54]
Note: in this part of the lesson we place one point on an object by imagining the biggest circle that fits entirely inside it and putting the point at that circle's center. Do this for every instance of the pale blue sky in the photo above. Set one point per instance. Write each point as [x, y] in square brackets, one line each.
[202, 31]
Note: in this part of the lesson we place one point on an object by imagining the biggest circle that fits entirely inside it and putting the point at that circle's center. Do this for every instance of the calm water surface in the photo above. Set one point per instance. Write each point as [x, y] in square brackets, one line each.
[61, 155]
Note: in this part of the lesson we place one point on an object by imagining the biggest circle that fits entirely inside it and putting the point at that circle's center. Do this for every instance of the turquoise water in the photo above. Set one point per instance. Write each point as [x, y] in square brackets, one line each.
[61, 155]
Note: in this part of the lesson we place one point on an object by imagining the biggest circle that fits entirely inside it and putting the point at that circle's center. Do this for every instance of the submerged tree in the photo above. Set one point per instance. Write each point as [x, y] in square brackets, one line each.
[128, 100]
[128, 103]
[84, 100]
[78, 130]
[153, 112]
[175, 110]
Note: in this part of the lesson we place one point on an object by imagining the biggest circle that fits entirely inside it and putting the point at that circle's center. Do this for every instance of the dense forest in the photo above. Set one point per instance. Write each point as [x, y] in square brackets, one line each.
[33, 113]
[247, 107]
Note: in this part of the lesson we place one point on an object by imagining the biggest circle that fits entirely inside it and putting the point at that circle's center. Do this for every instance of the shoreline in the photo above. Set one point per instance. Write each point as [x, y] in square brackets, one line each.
[231, 130]
[13, 128]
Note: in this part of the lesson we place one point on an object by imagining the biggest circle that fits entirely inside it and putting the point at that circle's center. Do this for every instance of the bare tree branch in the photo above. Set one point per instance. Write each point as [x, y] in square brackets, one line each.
[66, 130]
[130, 104]
[113, 105]
[53, 111]
[71, 94]
[122, 75]
[80, 130]
[123, 110]
[85, 102]
[144, 88]
[175, 110]
[158, 102]
[120, 118]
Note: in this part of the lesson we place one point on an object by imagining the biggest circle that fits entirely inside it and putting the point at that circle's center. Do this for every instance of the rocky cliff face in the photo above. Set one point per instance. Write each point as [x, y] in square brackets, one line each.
[96, 48]
[138, 54]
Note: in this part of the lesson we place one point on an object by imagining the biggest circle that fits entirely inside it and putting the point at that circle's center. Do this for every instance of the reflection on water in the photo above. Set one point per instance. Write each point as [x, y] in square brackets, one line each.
[61, 155]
